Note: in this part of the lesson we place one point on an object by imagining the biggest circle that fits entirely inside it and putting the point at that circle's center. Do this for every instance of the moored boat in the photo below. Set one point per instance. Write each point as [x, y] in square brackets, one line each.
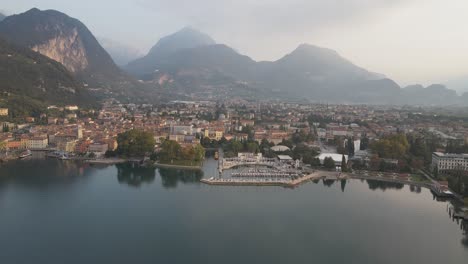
[25, 154]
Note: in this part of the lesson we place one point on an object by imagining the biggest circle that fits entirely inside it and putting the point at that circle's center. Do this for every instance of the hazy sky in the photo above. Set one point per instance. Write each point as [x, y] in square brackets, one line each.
[411, 41]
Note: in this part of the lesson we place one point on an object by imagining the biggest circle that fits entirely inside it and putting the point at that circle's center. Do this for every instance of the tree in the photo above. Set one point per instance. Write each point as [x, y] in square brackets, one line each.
[364, 143]
[3, 146]
[304, 152]
[315, 162]
[252, 147]
[170, 150]
[394, 147]
[286, 142]
[206, 142]
[236, 146]
[350, 146]
[344, 166]
[374, 163]
[329, 163]
[199, 152]
[264, 145]
[135, 143]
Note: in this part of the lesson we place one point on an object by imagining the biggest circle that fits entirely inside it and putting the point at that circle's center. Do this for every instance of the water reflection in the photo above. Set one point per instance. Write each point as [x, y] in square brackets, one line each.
[415, 189]
[328, 183]
[382, 185]
[171, 177]
[464, 228]
[36, 173]
[134, 176]
[343, 185]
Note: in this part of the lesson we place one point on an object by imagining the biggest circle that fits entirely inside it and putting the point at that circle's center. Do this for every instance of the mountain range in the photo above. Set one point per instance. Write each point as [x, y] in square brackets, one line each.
[191, 60]
[190, 64]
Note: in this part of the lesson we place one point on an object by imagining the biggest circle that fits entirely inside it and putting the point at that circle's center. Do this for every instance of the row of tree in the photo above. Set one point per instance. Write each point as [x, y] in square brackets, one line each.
[135, 143]
[171, 151]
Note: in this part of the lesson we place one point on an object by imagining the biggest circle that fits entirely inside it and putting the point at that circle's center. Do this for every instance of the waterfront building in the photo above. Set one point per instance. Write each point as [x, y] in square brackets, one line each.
[82, 146]
[67, 146]
[40, 142]
[14, 144]
[445, 162]
[99, 148]
[3, 111]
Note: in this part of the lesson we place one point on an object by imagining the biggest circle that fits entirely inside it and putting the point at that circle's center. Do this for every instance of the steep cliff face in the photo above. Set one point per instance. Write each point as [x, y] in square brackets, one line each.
[66, 40]
[66, 48]
[30, 75]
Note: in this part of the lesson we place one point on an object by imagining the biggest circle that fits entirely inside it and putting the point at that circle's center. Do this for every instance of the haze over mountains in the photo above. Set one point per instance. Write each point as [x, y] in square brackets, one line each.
[191, 64]
[459, 84]
[121, 54]
[194, 61]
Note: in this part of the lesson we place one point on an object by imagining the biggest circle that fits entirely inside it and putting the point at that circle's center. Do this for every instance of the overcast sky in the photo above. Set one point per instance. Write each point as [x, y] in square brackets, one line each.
[410, 41]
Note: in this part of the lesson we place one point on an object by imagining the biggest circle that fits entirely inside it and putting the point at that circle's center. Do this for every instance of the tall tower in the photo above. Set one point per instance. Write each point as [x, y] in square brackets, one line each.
[79, 132]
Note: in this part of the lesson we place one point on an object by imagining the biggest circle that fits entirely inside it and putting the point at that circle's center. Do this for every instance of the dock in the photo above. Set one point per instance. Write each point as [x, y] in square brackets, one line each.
[284, 182]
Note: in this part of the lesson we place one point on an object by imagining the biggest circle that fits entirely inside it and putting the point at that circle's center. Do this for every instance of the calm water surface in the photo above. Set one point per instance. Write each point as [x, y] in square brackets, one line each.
[65, 212]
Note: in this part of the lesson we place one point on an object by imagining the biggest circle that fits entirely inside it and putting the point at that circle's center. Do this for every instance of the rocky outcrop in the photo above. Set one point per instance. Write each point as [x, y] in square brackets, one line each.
[68, 41]
[66, 48]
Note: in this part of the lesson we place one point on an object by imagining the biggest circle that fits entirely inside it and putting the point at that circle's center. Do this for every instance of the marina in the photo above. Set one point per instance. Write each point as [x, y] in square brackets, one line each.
[268, 180]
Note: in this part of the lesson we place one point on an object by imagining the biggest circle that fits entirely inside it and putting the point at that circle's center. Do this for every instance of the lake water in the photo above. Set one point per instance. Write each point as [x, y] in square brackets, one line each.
[66, 212]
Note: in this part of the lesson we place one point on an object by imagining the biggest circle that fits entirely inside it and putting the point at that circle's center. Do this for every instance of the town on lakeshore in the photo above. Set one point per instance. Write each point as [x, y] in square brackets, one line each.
[233, 132]
[286, 142]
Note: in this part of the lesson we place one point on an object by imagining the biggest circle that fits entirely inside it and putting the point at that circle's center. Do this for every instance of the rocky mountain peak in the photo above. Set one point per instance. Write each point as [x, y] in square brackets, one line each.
[63, 39]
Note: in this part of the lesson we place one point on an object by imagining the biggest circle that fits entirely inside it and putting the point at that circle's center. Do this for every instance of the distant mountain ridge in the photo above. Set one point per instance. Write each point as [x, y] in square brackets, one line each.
[459, 84]
[2, 16]
[121, 54]
[435, 94]
[185, 38]
[309, 72]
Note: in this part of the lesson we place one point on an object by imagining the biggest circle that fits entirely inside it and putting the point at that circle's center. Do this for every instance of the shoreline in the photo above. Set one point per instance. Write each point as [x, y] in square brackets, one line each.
[186, 167]
[106, 161]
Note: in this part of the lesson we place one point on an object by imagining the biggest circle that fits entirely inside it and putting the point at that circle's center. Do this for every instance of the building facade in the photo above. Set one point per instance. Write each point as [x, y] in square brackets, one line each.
[3, 111]
[444, 162]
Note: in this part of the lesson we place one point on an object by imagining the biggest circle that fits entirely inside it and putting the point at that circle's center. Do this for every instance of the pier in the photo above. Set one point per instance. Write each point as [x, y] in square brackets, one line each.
[272, 181]
[266, 173]
[229, 163]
